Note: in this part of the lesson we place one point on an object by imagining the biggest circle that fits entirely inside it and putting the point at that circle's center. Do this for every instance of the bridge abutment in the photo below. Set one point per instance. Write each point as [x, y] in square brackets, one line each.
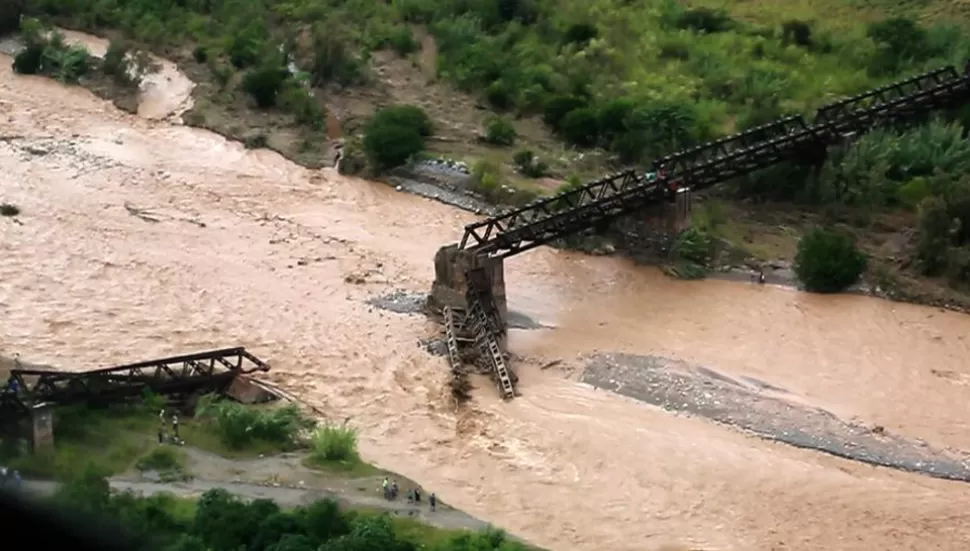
[451, 269]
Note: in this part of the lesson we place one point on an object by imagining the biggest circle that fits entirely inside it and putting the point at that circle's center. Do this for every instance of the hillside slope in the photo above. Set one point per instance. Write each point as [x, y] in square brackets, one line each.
[586, 86]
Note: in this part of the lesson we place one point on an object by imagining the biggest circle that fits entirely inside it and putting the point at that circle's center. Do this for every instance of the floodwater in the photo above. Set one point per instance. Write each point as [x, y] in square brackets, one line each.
[140, 239]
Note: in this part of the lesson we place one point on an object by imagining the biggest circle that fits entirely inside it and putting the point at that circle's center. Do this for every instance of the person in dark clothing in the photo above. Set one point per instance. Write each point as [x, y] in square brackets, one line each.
[175, 425]
[417, 495]
[161, 435]
[433, 501]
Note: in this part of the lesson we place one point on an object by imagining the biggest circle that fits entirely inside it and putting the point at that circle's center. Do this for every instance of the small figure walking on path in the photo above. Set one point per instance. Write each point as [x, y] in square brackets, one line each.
[410, 495]
[387, 489]
[433, 501]
[175, 425]
[417, 495]
[161, 434]
[394, 490]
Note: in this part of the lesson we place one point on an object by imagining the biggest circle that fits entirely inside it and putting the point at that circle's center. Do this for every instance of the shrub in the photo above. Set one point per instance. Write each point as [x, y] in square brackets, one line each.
[934, 236]
[527, 163]
[828, 261]
[162, 458]
[705, 20]
[694, 245]
[296, 99]
[264, 83]
[499, 131]
[402, 41]
[394, 135]
[406, 115]
[580, 127]
[239, 426]
[333, 443]
[487, 179]
[6, 209]
[797, 32]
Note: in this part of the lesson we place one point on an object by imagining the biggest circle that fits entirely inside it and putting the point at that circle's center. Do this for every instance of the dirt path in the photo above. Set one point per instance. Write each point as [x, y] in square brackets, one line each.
[286, 481]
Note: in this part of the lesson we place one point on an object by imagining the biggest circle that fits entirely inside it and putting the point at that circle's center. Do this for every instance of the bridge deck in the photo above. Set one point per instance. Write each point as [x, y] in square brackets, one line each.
[718, 161]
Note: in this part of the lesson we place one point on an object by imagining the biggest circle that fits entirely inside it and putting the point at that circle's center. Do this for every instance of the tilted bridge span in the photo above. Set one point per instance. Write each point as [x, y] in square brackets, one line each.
[469, 286]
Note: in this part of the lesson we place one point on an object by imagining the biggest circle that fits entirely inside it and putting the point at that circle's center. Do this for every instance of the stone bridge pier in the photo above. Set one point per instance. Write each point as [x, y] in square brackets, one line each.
[451, 268]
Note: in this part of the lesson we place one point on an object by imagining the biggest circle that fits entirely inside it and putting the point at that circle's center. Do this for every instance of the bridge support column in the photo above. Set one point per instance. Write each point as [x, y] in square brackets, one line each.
[451, 267]
[41, 428]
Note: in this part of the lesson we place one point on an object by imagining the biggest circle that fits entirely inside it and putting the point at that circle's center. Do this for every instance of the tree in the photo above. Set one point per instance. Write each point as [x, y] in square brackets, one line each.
[394, 135]
[264, 83]
[499, 131]
[828, 262]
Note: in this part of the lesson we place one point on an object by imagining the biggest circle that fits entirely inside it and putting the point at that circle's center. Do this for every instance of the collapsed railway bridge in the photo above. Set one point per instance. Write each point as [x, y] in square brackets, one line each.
[27, 398]
[469, 286]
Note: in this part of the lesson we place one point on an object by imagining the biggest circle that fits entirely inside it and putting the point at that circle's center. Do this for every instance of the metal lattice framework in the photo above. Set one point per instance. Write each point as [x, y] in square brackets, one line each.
[790, 138]
[202, 372]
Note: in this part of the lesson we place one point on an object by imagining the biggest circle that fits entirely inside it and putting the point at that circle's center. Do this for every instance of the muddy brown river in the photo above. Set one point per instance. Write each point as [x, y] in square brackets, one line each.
[140, 238]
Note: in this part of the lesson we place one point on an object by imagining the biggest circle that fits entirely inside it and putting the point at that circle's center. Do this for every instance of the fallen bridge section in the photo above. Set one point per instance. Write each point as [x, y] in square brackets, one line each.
[211, 371]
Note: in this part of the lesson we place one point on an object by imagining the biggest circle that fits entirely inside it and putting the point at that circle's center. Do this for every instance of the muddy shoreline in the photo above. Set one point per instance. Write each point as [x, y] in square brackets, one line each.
[763, 409]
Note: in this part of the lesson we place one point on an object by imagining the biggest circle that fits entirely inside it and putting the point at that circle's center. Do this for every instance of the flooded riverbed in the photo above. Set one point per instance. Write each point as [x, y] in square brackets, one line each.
[139, 239]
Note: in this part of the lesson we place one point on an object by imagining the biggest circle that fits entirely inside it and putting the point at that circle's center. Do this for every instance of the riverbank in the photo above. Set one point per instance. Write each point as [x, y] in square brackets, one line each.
[286, 480]
[753, 238]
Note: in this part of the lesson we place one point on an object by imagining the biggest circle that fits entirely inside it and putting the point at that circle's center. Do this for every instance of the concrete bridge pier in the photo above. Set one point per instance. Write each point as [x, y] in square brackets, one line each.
[451, 269]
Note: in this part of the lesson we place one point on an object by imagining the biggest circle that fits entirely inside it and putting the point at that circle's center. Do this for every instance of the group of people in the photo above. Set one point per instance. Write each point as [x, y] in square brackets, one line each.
[9, 477]
[175, 428]
[391, 490]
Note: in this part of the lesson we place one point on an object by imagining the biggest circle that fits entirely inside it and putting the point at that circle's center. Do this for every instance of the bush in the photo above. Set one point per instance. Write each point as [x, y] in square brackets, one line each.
[6, 209]
[694, 245]
[406, 115]
[335, 444]
[527, 163]
[264, 83]
[828, 261]
[499, 131]
[239, 426]
[487, 180]
[162, 458]
[402, 41]
[394, 135]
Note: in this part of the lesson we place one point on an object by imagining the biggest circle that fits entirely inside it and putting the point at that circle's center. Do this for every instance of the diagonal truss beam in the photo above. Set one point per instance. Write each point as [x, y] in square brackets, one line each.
[604, 200]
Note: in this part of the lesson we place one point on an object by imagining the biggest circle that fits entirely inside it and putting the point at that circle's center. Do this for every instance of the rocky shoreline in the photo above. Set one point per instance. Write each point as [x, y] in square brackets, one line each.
[760, 408]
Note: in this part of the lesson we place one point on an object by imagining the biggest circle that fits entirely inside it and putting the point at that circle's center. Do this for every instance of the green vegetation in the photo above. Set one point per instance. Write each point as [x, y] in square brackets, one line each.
[395, 135]
[692, 252]
[113, 440]
[635, 80]
[168, 461]
[219, 521]
[499, 131]
[247, 428]
[334, 448]
[828, 261]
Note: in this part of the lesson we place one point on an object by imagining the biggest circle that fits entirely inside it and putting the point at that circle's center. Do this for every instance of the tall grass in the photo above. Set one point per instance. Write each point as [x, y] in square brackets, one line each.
[335, 444]
[239, 426]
